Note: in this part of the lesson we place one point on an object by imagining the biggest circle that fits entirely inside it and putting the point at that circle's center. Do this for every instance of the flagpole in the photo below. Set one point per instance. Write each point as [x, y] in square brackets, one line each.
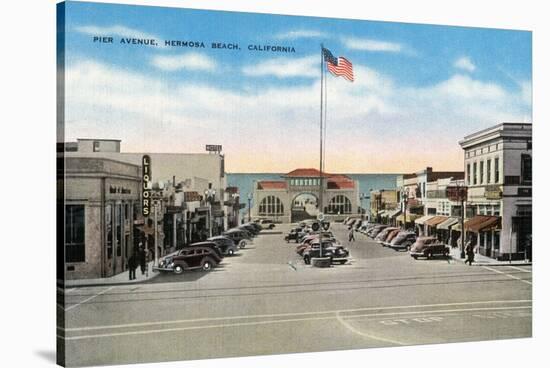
[321, 154]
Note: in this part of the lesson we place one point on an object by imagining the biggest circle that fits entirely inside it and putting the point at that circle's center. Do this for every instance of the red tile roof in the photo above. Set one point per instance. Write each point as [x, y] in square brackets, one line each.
[313, 173]
[340, 183]
[271, 184]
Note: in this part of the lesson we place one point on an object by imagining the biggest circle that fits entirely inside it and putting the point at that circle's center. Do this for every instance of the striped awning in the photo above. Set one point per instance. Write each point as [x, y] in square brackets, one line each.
[445, 225]
[423, 219]
[410, 217]
[394, 213]
[436, 220]
[482, 223]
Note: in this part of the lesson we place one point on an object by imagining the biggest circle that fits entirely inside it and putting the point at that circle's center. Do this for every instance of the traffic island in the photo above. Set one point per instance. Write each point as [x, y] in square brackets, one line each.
[321, 262]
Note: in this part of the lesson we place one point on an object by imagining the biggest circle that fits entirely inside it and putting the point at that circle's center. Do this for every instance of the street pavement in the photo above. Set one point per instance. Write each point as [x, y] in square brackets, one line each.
[266, 301]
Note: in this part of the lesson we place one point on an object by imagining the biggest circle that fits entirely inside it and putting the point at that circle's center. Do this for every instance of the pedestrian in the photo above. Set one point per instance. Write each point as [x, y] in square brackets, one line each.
[141, 258]
[132, 265]
[351, 235]
[469, 253]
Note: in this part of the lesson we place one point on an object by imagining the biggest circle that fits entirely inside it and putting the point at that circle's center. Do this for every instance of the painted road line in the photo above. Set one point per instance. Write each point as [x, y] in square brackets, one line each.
[508, 275]
[336, 316]
[520, 269]
[341, 311]
[88, 299]
[363, 334]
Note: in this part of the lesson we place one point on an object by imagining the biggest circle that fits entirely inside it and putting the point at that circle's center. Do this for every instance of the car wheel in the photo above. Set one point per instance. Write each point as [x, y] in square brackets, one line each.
[230, 252]
[343, 261]
[429, 255]
[207, 265]
[242, 243]
[415, 257]
[178, 269]
[307, 260]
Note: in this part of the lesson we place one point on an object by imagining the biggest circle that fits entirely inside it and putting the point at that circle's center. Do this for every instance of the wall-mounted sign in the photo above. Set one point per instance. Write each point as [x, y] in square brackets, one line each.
[457, 193]
[146, 185]
[213, 147]
[493, 192]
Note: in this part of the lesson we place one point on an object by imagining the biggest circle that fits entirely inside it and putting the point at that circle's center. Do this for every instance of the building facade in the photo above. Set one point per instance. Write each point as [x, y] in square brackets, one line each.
[298, 195]
[497, 163]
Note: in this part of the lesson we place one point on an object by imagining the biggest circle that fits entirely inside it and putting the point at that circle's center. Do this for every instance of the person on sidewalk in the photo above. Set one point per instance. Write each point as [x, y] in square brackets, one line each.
[351, 236]
[141, 258]
[132, 265]
[469, 253]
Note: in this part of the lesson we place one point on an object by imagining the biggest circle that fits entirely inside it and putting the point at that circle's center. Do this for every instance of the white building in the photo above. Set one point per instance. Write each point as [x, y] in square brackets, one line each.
[497, 163]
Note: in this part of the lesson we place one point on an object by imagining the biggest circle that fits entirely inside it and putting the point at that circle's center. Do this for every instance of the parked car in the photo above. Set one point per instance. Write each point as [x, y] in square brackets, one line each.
[225, 244]
[252, 230]
[337, 253]
[209, 244]
[308, 240]
[239, 236]
[403, 240]
[267, 224]
[382, 235]
[391, 235]
[189, 258]
[376, 230]
[293, 234]
[428, 246]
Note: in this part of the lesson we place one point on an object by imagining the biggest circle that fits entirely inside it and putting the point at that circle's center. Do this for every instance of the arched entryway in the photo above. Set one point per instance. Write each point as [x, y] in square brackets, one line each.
[304, 206]
[339, 205]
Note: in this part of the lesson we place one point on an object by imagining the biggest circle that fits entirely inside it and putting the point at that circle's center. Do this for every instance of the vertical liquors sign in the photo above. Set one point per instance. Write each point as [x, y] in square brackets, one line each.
[146, 185]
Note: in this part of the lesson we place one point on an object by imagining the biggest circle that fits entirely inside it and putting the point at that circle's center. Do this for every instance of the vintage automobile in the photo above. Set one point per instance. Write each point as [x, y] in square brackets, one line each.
[382, 235]
[376, 230]
[226, 245]
[251, 229]
[428, 246]
[293, 234]
[336, 252]
[239, 236]
[391, 235]
[403, 240]
[199, 256]
[306, 242]
[267, 224]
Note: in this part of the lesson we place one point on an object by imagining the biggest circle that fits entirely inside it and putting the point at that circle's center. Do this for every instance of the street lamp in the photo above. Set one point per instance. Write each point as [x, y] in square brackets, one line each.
[236, 208]
[361, 197]
[210, 195]
[249, 200]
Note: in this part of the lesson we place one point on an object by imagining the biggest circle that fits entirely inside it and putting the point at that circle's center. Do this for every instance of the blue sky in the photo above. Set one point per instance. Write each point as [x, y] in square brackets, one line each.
[417, 86]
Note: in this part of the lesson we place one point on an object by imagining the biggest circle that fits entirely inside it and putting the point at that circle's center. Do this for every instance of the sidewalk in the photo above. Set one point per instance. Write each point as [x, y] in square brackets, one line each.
[481, 260]
[119, 279]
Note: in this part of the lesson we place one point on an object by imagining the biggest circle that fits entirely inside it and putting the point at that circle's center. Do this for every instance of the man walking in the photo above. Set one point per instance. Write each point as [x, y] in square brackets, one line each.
[132, 265]
[469, 253]
[141, 258]
[351, 235]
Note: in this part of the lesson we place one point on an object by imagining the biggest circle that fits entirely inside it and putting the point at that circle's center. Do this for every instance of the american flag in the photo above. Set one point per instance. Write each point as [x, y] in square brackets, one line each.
[339, 67]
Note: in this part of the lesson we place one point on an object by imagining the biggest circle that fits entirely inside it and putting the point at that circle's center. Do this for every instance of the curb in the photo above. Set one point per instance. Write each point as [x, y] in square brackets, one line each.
[94, 284]
[495, 263]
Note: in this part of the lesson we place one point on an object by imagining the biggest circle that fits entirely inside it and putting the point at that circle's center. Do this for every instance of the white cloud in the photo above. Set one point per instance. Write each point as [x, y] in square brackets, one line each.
[283, 67]
[116, 30]
[302, 33]
[465, 63]
[372, 45]
[187, 61]
[367, 117]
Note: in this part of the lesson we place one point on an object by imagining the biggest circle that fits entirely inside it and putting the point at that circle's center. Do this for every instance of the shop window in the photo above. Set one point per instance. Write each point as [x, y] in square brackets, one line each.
[96, 146]
[74, 233]
[496, 240]
[526, 169]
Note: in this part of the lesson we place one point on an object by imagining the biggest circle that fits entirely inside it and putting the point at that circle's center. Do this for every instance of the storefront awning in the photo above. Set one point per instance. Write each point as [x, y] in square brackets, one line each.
[423, 219]
[410, 217]
[394, 213]
[382, 213]
[436, 220]
[482, 223]
[445, 225]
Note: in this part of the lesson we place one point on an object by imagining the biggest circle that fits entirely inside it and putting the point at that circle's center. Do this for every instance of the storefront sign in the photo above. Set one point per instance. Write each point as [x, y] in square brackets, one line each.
[174, 209]
[456, 193]
[146, 185]
[493, 192]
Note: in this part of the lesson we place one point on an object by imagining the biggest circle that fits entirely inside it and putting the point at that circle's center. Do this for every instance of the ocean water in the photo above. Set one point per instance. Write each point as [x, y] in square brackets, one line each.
[245, 182]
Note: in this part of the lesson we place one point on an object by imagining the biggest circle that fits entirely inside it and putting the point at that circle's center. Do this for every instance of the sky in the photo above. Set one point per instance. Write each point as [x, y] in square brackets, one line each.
[418, 89]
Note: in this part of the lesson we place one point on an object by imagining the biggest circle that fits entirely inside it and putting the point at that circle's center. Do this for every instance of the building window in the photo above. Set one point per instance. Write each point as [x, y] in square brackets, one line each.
[96, 146]
[109, 230]
[74, 234]
[475, 173]
[481, 171]
[468, 177]
[526, 169]
[271, 206]
[339, 205]
[497, 171]
[118, 219]
[496, 210]
[488, 171]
